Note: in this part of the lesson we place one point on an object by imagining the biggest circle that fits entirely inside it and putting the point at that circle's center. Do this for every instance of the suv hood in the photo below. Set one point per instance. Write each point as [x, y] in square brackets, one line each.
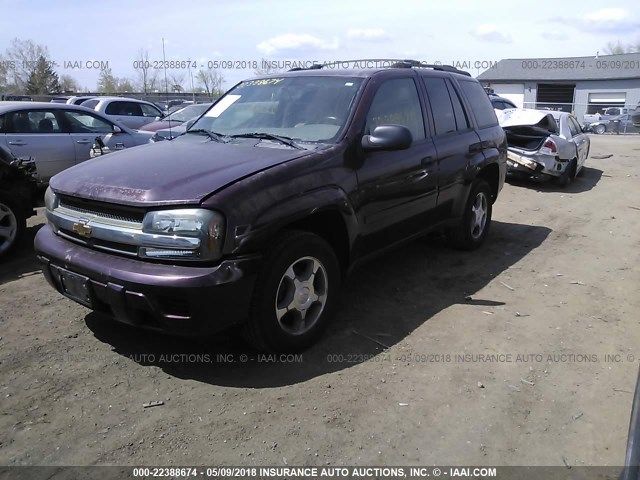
[183, 171]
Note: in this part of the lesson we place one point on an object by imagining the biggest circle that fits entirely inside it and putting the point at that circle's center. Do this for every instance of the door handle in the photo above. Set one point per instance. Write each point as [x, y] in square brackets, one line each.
[83, 142]
[17, 142]
[419, 175]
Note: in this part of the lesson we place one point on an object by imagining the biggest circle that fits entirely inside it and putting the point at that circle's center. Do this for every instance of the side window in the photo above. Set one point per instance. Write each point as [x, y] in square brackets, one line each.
[131, 109]
[82, 122]
[149, 111]
[462, 122]
[89, 104]
[444, 118]
[574, 127]
[480, 103]
[397, 102]
[35, 121]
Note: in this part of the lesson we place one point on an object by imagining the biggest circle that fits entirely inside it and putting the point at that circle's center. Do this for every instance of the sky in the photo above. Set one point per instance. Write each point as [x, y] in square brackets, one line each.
[241, 32]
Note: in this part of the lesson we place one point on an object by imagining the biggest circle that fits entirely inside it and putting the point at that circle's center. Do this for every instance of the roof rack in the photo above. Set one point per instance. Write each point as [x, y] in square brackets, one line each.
[386, 63]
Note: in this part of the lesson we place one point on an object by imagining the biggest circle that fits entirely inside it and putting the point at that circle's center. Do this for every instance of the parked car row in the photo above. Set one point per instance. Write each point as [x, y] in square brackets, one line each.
[618, 124]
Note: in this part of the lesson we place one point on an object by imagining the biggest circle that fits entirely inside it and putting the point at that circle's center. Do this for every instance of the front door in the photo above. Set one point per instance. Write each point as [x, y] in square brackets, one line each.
[397, 190]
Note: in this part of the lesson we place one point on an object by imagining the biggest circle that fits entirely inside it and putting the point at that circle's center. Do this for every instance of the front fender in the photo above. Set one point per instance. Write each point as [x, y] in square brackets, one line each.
[295, 209]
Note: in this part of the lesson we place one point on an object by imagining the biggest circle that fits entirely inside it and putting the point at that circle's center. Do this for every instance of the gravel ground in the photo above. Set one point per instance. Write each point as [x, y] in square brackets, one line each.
[523, 353]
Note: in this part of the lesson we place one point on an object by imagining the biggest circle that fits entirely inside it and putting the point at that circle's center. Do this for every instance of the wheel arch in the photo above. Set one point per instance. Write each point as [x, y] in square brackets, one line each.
[325, 212]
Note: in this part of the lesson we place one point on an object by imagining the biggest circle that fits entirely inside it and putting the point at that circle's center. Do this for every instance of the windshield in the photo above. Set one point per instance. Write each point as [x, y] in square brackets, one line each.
[187, 113]
[304, 108]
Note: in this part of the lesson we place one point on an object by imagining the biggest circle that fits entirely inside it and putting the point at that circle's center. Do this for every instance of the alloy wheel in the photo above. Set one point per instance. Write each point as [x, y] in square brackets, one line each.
[479, 210]
[301, 295]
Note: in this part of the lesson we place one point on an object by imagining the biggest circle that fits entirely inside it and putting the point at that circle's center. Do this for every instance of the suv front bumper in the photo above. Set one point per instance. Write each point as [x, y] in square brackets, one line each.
[183, 300]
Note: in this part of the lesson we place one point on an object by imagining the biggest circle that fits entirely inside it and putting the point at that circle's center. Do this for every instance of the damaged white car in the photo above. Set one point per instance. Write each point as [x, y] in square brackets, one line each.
[544, 144]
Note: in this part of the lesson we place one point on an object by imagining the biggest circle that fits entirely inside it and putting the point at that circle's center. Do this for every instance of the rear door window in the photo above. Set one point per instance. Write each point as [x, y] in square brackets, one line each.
[128, 109]
[32, 121]
[444, 118]
[574, 128]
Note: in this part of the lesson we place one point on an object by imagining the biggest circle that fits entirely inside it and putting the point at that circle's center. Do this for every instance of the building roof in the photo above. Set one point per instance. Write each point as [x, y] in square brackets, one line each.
[602, 67]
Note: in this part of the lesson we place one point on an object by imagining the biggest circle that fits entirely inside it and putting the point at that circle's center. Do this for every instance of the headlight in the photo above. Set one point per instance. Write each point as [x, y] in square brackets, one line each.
[50, 199]
[174, 226]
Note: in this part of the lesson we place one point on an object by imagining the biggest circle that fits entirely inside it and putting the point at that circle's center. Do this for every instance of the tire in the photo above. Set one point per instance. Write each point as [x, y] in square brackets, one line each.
[472, 230]
[599, 129]
[569, 174]
[12, 225]
[284, 317]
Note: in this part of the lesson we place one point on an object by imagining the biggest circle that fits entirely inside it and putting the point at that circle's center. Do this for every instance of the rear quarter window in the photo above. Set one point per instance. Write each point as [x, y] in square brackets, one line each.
[480, 104]
[90, 104]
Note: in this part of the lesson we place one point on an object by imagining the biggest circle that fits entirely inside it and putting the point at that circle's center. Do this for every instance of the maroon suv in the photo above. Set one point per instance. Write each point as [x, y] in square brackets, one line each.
[254, 215]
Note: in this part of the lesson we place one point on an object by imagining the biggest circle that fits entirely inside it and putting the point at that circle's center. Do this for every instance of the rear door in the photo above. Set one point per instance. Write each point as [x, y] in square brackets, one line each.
[580, 140]
[457, 143]
[126, 113]
[396, 190]
[39, 134]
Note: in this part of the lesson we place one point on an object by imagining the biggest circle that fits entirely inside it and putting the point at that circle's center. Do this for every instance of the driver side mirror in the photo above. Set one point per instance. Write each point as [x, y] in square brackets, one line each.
[117, 129]
[190, 123]
[388, 137]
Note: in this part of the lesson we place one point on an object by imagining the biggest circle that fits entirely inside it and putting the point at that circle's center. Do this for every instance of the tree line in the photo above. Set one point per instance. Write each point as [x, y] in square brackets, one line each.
[27, 68]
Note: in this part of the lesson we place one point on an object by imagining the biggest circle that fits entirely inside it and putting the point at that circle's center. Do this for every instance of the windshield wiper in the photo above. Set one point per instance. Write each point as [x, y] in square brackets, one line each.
[269, 136]
[212, 135]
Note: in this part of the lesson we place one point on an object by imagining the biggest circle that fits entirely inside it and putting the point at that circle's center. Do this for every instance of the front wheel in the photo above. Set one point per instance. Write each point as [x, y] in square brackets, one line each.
[600, 129]
[474, 227]
[295, 294]
[12, 224]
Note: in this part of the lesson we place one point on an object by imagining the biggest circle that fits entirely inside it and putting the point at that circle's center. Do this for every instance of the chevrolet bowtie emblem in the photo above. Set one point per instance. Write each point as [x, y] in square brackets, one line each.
[82, 229]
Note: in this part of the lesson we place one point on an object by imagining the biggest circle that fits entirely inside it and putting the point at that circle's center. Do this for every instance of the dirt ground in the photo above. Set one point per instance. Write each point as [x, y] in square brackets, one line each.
[495, 357]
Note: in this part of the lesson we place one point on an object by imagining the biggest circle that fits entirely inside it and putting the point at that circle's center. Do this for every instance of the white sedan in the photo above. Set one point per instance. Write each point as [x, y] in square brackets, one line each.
[544, 144]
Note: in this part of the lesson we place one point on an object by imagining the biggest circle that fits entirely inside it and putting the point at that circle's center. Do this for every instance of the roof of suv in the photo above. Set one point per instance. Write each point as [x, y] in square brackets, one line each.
[338, 68]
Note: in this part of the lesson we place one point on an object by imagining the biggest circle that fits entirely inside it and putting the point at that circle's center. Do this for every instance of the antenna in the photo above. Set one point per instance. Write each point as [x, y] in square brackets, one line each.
[166, 84]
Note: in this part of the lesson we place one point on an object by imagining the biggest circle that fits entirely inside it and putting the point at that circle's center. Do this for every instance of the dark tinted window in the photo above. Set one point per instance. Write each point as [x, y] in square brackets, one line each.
[444, 118]
[131, 109]
[397, 102]
[480, 104]
[462, 122]
[36, 121]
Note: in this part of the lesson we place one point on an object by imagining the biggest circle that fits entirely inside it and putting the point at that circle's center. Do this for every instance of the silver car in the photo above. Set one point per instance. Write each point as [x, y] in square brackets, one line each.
[58, 136]
[544, 144]
[130, 112]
